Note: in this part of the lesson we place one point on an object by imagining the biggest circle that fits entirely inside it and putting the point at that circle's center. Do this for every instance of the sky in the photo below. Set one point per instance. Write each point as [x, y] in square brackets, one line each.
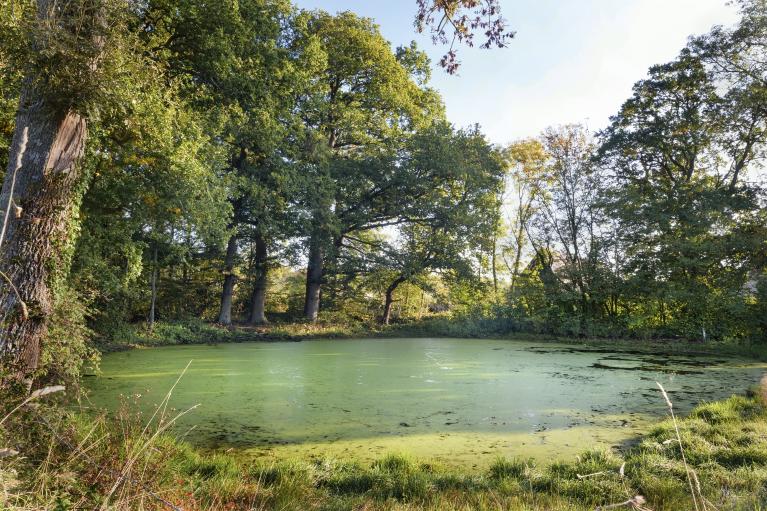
[572, 61]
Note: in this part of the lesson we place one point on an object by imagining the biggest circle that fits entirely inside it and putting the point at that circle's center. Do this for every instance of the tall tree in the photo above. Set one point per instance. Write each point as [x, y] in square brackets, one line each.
[243, 78]
[566, 213]
[268, 193]
[680, 151]
[363, 102]
[455, 219]
[527, 159]
[67, 53]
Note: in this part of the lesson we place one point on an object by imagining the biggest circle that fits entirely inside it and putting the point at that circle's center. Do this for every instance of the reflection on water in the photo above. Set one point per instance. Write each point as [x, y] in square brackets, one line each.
[460, 400]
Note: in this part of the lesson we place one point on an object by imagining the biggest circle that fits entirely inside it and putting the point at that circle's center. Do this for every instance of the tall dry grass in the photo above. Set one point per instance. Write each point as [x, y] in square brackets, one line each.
[116, 455]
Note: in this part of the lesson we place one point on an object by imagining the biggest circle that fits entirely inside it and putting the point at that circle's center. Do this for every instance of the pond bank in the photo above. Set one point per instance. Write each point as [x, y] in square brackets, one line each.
[201, 332]
[725, 444]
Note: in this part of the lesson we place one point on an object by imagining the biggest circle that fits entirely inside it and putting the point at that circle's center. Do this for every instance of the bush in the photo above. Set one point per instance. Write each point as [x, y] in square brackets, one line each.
[66, 349]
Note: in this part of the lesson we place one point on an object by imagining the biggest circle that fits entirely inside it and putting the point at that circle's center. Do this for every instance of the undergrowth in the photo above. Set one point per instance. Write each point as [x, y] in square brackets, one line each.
[196, 331]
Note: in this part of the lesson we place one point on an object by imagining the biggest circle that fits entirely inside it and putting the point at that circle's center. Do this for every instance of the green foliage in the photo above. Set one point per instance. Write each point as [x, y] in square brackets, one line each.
[83, 56]
[12, 15]
[67, 348]
[366, 102]
[656, 228]
[289, 131]
[451, 222]
[158, 186]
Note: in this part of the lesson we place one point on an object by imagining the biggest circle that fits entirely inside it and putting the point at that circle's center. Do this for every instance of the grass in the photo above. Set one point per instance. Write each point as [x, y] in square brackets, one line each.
[74, 461]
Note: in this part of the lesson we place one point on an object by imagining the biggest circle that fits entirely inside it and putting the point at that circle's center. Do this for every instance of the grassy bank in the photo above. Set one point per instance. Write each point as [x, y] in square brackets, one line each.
[200, 332]
[70, 461]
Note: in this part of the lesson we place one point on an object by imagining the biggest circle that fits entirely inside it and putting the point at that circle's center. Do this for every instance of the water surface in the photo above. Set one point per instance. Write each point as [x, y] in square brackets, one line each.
[458, 400]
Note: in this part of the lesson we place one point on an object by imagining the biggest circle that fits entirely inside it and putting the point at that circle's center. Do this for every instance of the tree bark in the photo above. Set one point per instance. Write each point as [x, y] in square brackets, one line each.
[386, 318]
[230, 279]
[517, 258]
[153, 306]
[313, 279]
[47, 186]
[389, 300]
[494, 263]
[258, 300]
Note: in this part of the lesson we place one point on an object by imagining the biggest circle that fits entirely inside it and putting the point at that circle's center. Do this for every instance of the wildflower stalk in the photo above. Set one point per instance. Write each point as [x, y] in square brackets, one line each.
[681, 447]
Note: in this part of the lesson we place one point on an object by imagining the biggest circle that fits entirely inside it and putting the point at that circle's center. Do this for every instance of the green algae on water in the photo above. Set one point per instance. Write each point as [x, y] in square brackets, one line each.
[461, 401]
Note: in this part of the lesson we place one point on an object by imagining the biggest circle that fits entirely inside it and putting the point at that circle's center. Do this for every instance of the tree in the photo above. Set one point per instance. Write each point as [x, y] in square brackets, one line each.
[566, 219]
[455, 219]
[236, 59]
[363, 102]
[153, 205]
[267, 218]
[527, 159]
[739, 53]
[680, 151]
[68, 52]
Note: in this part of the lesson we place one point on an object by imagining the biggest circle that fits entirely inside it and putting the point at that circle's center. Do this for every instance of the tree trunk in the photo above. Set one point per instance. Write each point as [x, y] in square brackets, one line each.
[494, 262]
[387, 308]
[44, 185]
[517, 259]
[389, 300]
[313, 279]
[258, 300]
[225, 313]
[152, 308]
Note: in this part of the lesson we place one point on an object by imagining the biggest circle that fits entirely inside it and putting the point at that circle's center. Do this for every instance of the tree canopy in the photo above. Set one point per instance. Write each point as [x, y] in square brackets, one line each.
[247, 162]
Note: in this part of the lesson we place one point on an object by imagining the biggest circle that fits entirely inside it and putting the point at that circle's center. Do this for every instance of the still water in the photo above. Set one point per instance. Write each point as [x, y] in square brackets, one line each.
[461, 401]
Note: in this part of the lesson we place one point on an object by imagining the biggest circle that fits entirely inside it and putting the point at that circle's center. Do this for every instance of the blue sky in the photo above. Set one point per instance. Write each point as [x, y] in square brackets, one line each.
[571, 61]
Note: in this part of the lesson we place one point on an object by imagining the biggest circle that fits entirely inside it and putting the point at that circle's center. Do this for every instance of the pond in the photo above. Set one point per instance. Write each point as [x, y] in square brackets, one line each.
[461, 401]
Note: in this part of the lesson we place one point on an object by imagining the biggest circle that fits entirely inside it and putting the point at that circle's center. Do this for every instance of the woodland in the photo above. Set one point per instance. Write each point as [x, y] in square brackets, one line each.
[186, 171]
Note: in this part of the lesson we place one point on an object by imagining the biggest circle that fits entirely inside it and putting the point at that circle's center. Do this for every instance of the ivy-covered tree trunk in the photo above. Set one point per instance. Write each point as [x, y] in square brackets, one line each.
[258, 299]
[42, 195]
[225, 313]
[314, 272]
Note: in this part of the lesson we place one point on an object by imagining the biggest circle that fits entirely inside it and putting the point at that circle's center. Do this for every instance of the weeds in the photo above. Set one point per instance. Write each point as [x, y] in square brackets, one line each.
[75, 461]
